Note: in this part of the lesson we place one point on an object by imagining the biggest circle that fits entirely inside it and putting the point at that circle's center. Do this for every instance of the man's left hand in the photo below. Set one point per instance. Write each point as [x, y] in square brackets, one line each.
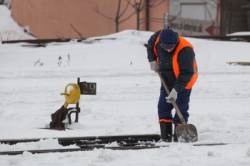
[172, 96]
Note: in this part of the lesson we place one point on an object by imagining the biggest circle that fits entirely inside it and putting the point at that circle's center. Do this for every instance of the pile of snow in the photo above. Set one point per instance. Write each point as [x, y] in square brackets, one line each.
[9, 30]
[246, 33]
[128, 35]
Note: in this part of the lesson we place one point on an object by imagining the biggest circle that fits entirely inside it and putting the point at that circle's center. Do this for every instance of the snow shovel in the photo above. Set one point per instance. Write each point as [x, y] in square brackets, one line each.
[184, 132]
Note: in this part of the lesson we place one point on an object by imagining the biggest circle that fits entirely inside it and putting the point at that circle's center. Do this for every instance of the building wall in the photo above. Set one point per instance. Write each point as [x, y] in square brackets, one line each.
[79, 18]
[157, 15]
[234, 16]
[194, 17]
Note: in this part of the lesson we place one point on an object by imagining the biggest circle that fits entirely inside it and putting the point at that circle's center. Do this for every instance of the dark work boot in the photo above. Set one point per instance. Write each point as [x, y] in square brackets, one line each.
[175, 136]
[166, 131]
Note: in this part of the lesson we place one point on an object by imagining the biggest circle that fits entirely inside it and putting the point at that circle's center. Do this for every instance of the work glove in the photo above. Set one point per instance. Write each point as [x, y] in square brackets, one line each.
[172, 96]
[154, 66]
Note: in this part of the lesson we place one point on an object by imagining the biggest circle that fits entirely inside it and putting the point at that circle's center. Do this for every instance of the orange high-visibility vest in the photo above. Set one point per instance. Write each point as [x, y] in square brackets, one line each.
[176, 68]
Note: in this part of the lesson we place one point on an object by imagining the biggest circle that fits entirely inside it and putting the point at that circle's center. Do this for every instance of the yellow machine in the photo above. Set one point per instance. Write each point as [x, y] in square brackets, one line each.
[72, 93]
[61, 118]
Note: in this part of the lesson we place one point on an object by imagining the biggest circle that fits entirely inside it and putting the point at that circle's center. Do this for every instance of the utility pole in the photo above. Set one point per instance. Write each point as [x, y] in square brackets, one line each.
[147, 15]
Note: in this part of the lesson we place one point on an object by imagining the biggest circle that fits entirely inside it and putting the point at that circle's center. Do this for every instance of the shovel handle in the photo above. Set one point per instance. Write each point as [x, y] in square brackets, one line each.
[173, 103]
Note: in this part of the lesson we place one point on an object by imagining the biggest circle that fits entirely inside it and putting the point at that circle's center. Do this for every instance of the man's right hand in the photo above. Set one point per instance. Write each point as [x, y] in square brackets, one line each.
[154, 66]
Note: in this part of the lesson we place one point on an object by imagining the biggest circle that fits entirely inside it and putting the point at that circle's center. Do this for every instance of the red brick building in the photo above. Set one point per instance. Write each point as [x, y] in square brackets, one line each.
[84, 18]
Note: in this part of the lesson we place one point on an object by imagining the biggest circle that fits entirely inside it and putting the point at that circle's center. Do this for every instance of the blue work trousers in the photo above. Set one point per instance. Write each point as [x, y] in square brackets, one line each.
[165, 109]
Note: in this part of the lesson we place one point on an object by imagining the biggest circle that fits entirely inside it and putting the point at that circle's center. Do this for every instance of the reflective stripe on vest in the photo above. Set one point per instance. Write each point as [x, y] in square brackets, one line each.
[182, 44]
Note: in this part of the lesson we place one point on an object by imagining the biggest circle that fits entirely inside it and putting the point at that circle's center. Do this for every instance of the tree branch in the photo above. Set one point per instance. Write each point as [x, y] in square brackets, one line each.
[128, 17]
[156, 3]
[118, 9]
[102, 14]
[124, 10]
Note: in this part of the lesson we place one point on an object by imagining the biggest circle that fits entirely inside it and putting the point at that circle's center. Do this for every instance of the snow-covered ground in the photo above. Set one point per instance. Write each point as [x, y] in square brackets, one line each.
[126, 102]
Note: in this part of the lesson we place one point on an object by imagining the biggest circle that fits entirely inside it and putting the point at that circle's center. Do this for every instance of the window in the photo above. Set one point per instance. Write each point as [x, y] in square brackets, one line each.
[193, 10]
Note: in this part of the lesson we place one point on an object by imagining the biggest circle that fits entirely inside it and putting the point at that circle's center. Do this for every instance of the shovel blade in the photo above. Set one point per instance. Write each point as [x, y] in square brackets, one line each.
[186, 133]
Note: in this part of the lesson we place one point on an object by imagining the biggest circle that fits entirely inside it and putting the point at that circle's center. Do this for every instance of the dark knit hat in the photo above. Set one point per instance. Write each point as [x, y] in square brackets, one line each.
[168, 37]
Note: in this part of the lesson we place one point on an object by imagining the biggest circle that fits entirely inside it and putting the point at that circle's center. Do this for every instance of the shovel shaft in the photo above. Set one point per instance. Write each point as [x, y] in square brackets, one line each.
[173, 103]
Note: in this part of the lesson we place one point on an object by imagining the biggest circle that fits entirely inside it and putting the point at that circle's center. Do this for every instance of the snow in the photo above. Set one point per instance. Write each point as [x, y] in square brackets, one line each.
[9, 30]
[244, 33]
[31, 80]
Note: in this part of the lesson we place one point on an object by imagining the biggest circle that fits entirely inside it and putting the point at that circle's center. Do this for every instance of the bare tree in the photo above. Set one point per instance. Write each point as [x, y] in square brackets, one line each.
[120, 15]
[141, 5]
[138, 6]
